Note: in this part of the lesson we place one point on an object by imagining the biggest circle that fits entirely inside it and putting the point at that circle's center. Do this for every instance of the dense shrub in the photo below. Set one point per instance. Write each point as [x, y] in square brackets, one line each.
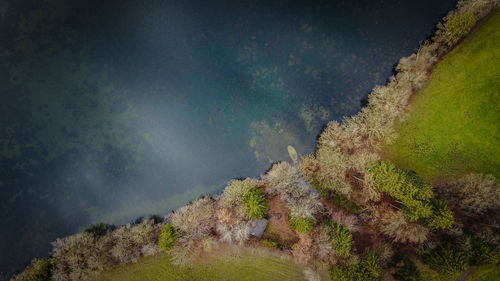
[167, 238]
[384, 251]
[100, 229]
[41, 271]
[369, 269]
[255, 203]
[335, 199]
[282, 178]
[38, 270]
[478, 8]
[156, 219]
[341, 238]
[446, 259]
[225, 216]
[302, 225]
[78, 257]
[129, 240]
[406, 270]
[235, 192]
[304, 205]
[482, 254]
[195, 223]
[472, 195]
[351, 222]
[270, 244]
[287, 182]
[457, 26]
[393, 224]
[371, 264]
[410, 190]
[83, 256]
[234, 233]
[345, 273]
[322, 248]
[442, 216]
[189, 247]
[416, 196]
[369, 193]
[302, 250]
[309, 167]
[196, 218]
[332, 163]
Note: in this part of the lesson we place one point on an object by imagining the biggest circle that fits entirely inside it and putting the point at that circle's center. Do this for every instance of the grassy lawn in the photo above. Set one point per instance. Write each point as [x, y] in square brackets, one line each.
[454, 122]
[429, 274]
[485, 273]
[246, 267]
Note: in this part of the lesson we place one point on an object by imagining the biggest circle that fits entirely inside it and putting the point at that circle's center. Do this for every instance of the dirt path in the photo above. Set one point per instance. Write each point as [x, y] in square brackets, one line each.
[278, 223]
[327, 206]
[465, 274]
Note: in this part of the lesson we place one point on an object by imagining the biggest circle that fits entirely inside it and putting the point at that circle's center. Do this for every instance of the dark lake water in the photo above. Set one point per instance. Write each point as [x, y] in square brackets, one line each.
[112, 110]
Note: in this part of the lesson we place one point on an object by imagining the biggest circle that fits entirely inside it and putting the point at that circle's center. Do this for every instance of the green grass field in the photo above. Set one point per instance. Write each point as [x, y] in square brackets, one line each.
[247, 267]
[485, 273]
[454, 121]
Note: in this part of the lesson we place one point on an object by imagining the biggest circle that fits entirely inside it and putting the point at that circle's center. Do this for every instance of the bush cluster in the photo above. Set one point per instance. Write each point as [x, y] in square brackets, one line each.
[458, 253]
[83, 255]
[340, 238]
[287, 182]
[38, 270]
[100, 229]
[413, 193]
[194, 223]
[235, 233]
[240, 201]
[446, 259]
[270, 244]
[235, 192]
[131, 242]
[441, 217]
[458, 25]
[482, 254]
[472, 195]
[168, 236]
[369, 269]
[302, 225]
[393, 224]
[406, 270]
[371, 264]
[255, 204]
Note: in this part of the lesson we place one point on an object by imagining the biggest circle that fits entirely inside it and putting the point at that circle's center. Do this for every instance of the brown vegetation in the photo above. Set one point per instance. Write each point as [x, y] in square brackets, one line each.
[472, 195]
[279, 229]
[287, 182]
[83, 255]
